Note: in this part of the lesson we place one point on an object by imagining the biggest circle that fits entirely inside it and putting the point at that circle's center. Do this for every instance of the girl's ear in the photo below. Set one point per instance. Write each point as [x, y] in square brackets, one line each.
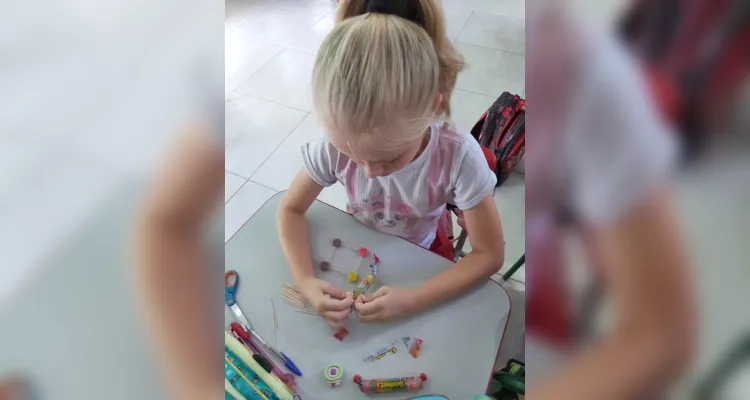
[437, 101]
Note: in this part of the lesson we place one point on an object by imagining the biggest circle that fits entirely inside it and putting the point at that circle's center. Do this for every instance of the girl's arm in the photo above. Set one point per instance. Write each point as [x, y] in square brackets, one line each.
[330, 302]
[178, 304]
[292, 225]
[485, 259]
[647, 273]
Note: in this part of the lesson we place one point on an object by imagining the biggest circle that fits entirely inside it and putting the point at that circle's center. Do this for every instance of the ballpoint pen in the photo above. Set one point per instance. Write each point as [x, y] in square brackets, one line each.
[245, 338]
[231, 279]
[287, 361]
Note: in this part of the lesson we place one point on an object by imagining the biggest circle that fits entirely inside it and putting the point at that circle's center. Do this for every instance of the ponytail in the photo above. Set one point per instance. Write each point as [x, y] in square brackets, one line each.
[428, 14]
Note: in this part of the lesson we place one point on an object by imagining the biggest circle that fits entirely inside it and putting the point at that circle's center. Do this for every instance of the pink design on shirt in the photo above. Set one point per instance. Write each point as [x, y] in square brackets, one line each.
[403, 208]
[440, 165]
[351, 180]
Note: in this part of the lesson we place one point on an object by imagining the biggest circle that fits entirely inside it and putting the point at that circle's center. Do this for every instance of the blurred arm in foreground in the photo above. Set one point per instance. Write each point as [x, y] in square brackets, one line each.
[594, 126]
[645, 273]
[11, 389]
[172, 267]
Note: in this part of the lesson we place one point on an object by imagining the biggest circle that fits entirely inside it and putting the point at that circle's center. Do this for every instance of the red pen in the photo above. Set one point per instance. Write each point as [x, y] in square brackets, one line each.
[246, 339]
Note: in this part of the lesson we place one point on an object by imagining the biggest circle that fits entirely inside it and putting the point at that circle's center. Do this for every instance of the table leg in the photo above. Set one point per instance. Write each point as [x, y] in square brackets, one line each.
[516, 266]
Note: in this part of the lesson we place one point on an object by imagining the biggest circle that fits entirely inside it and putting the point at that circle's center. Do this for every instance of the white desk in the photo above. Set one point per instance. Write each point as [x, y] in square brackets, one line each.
[461, 339]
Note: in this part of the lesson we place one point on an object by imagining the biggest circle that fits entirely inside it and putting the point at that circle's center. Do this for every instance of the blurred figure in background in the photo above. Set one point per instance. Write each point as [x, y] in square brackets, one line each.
[174, 273]
[112, 92]
[599, 166]
[11, 389]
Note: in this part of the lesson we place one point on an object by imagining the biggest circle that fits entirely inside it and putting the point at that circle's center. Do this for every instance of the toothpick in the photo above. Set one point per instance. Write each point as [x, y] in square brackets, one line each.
[291, 290]
[275, 323]
[293, 297]
[275, 320]
[298, 304]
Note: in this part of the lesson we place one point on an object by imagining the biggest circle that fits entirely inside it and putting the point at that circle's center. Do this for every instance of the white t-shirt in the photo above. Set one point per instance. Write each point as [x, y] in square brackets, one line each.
[596, 146]
[409, 202]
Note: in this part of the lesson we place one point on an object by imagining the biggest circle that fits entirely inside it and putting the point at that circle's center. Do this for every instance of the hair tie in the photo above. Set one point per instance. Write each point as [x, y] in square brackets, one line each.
[408, 9]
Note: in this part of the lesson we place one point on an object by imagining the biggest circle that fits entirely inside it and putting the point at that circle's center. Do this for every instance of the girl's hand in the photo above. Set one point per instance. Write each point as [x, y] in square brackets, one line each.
[328, 301]
[386, 304]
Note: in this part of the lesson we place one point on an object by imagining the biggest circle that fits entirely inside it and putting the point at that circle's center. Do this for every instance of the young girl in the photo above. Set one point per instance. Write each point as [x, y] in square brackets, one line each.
[598, 169]
[381, 89]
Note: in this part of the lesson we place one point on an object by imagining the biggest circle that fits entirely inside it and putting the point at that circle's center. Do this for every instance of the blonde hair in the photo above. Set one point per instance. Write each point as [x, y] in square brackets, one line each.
[375, 67]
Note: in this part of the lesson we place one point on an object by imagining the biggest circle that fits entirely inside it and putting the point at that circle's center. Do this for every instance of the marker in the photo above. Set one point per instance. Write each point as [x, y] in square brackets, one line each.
[287, 361]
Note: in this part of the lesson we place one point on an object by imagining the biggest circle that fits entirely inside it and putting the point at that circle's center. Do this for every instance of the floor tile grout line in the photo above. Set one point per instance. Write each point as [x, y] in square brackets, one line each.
[500, 15]
[515, 53]
[274, 102]
[251, 215]
[464, 26]
[235, 174]
[288, 9]
[448, 7]
[236, 191]
[286, 47]
[239, 85]
[299, 51]
[261, 10]
[473, 92]
[278, 146]
[265, 186]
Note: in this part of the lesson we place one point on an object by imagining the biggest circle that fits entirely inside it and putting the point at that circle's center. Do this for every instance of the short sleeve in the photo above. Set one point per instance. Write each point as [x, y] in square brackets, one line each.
[320, 158]
[619, 148]
[472, 179]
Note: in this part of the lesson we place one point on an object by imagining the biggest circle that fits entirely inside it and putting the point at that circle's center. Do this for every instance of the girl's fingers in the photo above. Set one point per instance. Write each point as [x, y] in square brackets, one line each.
[379, 293]
[337, 315]
[331, 304]
[369, 308]
[333, 291]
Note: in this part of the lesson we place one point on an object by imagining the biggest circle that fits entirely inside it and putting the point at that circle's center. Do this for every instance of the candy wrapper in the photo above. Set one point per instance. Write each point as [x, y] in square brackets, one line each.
[411, 344]
[404, 384]
[414, 345]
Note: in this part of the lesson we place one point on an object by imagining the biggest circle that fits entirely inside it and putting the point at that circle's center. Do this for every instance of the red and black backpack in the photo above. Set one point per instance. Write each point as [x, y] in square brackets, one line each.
[696, 54]
[501, 132]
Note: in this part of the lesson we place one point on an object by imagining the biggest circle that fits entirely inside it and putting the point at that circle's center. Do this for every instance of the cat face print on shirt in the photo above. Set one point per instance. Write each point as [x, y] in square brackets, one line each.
[383, 214]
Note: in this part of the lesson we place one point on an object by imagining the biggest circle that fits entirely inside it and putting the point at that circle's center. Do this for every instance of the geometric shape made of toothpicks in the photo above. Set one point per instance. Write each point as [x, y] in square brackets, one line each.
[353, 274]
